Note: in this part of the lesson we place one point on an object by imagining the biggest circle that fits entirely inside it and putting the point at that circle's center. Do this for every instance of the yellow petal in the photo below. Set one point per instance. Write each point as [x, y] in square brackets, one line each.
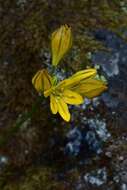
[76, 78]
[42, 80]
[84, 74]
[53, 104]
[63, 109]
[47, 92]
[73, 98]
[90, 88]
[47, 80]
[60, 43]
[66, 41]
[55, 44]
[37, 81]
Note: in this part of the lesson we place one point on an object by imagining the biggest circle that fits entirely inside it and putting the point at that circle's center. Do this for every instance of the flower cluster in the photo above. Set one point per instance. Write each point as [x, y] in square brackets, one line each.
[72, 90]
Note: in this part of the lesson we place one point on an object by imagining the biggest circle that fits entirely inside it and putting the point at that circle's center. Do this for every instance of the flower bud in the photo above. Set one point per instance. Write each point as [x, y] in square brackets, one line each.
[60, 43]
[42, 80]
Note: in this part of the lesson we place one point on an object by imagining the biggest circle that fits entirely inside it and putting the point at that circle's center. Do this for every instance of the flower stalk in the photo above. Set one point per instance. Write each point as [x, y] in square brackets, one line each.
[72, 90]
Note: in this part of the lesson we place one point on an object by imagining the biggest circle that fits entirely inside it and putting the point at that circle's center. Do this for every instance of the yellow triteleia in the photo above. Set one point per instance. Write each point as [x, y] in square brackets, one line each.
[69, 91]
[61, 42]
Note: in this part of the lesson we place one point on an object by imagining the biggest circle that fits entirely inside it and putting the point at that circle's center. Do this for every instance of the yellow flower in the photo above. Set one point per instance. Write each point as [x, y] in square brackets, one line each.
[61, 42]
[69, 91]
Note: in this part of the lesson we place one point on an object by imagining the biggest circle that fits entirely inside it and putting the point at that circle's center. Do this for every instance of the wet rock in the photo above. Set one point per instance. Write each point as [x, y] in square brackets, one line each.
[110, 101]
[109, 39]
[74, 137]
[97, 178]
[113, 64]
[124, 186]
[108, 62]
[3, 161]
[87, 136]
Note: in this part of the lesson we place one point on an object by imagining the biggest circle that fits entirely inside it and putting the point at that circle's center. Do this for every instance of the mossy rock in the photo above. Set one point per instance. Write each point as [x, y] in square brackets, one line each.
[35, 179]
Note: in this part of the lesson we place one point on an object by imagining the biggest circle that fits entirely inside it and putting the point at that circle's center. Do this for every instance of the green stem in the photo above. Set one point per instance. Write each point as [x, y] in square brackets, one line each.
[4, 139]
[53, 70]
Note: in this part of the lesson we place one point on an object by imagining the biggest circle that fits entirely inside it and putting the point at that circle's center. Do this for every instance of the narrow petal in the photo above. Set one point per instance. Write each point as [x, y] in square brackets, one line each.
[63, 109]
[55, 45]
[76, 78]
[66, 41]
[47, 80]
[37, 81]
[35, 76]
[90, 88]
[73, 98]
[83, 74]
[53, 104]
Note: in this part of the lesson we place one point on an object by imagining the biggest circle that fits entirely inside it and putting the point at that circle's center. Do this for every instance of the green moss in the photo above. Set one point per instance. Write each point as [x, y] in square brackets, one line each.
[35, 179]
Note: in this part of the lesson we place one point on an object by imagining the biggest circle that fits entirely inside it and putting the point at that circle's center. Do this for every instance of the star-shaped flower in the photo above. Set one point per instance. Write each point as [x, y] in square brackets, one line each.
[72, 90]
